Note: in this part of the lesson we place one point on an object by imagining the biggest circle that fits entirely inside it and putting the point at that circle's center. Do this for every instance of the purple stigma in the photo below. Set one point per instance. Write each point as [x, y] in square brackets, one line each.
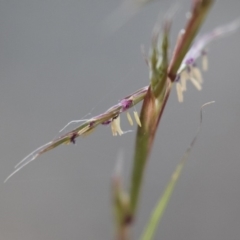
[177, 78]
[189, 61]
[73, 138]
[126, 104]
[106, 122]
[91, 124]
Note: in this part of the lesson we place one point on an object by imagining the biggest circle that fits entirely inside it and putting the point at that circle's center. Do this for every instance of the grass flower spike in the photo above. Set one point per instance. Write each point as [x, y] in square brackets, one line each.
[188, 69]
[111, 116]
[166, 69]
[163, 74]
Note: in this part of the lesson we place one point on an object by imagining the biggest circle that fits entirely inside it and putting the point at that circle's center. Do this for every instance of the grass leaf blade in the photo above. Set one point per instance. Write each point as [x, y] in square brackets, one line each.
[157, 213]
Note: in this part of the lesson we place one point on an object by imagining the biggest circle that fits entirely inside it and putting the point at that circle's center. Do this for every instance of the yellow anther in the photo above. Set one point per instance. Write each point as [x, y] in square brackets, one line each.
[137, 118]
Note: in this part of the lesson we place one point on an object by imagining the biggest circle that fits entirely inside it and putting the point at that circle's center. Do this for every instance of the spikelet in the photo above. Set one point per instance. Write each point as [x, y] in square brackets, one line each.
[115, 127]
[68, 142]
[88, 132]
[137, 119]
[84, 130]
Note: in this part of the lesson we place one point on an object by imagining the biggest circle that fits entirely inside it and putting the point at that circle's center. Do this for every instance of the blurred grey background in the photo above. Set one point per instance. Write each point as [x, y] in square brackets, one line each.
[59, 60]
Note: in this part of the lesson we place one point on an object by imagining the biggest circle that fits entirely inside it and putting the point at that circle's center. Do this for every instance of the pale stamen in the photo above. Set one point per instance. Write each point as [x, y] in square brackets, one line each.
[196, 84]
[179, 92]
[196, 73]
[204, 62]
[137, 119]
[129, 118]
[183, 78]
[115, 127]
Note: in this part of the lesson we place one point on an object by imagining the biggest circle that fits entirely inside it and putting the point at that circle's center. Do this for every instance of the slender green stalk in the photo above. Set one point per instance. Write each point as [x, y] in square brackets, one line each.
[161, 206]
[155, 101]
[149, 118]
